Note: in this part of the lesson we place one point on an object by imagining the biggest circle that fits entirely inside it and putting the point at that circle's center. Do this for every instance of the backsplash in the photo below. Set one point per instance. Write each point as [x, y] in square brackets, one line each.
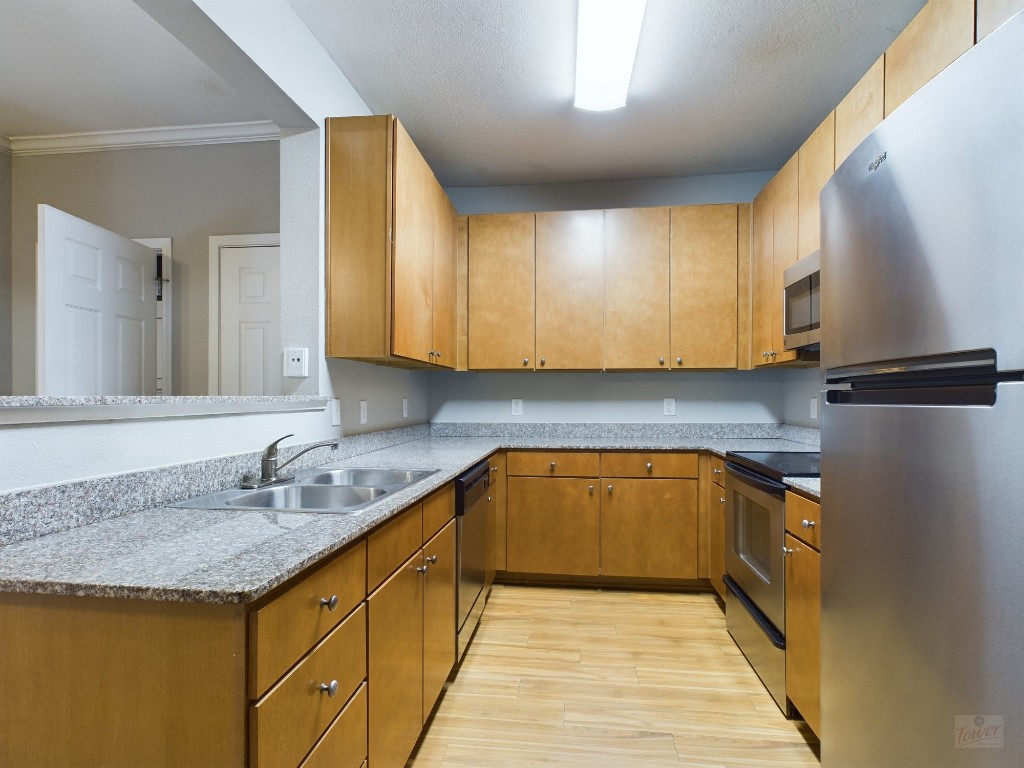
[35, 512]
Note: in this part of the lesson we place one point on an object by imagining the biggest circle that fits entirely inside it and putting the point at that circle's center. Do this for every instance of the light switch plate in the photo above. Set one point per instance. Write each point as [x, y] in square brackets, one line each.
[670, 406]
[362, 412]
[517, 407]
[296, 362]
[405, 407]
[814, 407]
[335, 412]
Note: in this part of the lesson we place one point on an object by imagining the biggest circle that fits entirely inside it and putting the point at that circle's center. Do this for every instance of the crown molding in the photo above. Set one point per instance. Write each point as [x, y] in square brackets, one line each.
[5, 145]
[175, 136]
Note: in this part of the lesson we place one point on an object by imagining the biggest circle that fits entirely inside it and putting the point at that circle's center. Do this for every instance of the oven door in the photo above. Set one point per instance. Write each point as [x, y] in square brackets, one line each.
[755, 523]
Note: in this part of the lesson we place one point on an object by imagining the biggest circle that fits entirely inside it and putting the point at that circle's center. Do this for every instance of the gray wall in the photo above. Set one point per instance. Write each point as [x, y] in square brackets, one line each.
[5, 273]
[186, 193]
[799, 385]
[383, 389]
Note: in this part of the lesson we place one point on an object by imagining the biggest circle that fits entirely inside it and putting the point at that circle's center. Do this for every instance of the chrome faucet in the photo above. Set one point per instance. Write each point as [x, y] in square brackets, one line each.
[269, 466]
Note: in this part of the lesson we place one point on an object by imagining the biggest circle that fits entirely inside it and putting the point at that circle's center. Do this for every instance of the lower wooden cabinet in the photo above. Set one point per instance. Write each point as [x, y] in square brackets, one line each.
[715, 500]
[803, 617]
[438, 614]
[554, 526]
[344, 744]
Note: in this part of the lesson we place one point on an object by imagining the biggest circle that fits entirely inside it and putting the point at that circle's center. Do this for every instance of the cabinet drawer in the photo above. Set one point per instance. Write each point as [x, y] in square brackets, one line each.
[282, 631]
[438, 509]
[290, 718]
[718, 470]
[391, 546]
[344, 744]
[553, 464]
[798, 509]
[651, 464]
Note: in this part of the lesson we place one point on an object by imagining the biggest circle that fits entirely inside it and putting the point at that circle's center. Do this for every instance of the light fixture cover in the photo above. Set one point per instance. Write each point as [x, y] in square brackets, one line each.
[606, 42]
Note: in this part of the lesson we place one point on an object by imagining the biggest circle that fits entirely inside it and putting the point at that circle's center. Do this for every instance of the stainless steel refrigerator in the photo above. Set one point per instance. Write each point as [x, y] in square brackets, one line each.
[922, 449]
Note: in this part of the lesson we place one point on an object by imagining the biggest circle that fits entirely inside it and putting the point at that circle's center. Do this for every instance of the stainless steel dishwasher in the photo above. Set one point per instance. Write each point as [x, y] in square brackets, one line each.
[471, 542]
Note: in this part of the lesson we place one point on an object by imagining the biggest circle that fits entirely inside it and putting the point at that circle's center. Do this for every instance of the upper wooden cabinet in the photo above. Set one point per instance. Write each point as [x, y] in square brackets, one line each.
[570, 290]
[938, 35]
[860, 111]
[636, 297]
[816, 160]
[391, 248]
[992, 13]
[704, 286]
[501, 291]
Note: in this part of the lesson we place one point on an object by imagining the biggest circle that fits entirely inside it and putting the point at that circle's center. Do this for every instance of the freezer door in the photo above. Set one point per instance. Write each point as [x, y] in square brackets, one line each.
[922, 624]
[923, 225]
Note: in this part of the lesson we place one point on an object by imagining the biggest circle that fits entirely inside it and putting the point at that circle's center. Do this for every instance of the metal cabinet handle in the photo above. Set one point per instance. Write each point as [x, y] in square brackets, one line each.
[650, 466]
[331, 688]
[590, 488]
[421, 569]
[432, 559]
[488, 498]
[679, 360]
[526, 361]
[808, 523]
[610, 488]
[786, 551]
[543, 360]
[437, 354]
[552, 465]
[661, 361]
[722, 499]
[494, 469]
[330, 603]
[716, 471]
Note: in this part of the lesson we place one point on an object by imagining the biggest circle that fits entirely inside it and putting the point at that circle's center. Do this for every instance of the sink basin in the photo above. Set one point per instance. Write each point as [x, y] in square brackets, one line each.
[309, 498]
[379, 478]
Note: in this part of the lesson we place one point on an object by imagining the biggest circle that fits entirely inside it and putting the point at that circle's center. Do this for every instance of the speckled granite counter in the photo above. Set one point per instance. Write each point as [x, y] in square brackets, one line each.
[811, 486]
[237, 556]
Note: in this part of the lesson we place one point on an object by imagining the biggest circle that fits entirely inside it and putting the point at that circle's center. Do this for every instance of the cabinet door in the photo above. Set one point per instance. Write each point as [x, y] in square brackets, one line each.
[785, 236]
[570, 290]
[803, 631]
[438, 614]
[763, 274]
[938, 35]
[498, 493]
[554, 525]
[993, 13]
[413, 252]
[649, 528]
[636, 299]
[816, 160]
[446, 236]
[716, 538]
[395, 656]
[860, 111]
[704, 286]
[501, 291]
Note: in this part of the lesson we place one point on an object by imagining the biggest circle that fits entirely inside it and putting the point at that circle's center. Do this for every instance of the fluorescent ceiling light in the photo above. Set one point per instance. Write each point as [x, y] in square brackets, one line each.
[606, 41]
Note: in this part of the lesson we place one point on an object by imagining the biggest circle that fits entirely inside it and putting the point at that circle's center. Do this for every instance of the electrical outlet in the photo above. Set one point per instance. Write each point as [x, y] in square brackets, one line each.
[296, 362]
[362, 412]
[405, 407]
[670, 406]
[517, 407]
[335, 412]
[814, 407]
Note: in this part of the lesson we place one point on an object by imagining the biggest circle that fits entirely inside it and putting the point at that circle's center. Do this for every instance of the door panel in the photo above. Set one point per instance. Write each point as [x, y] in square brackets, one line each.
[250, 320]
[553, 525]
[438, 614]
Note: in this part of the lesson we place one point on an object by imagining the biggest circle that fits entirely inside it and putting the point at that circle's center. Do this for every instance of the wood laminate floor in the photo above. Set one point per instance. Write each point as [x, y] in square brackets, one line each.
[581, 677]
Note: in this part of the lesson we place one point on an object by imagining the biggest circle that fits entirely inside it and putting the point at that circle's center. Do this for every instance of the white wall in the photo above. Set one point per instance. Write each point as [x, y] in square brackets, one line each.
[5, 273]
[799, 387]
[551, 396]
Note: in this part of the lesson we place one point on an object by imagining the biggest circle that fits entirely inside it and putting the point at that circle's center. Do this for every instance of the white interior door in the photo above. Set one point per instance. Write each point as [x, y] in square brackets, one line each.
[250, 320]
[95, 310]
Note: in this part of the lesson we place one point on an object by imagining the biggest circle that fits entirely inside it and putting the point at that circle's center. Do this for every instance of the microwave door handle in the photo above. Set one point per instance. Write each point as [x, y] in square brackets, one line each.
[752, 478]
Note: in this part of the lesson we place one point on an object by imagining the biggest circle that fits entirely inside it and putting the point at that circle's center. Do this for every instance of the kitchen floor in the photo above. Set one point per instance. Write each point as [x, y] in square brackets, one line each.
[582, 677]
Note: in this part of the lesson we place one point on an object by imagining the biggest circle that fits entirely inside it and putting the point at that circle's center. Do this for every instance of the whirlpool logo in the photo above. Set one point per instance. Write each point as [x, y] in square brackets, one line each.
[976, 731]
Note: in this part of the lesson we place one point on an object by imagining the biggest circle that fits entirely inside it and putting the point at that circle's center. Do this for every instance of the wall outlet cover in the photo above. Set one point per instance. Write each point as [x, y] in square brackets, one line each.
[405, 407]
[335, 412]
[517, 407]
[814, 407]
[670, 406]
[296, 362]
[362, 412]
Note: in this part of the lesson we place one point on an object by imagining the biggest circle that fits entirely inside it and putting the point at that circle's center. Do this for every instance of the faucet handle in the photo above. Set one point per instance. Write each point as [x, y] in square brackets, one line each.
[270, 452]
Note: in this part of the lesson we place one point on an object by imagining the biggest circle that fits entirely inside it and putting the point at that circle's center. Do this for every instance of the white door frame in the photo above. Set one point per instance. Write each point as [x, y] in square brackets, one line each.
[165, 372]
[216, 243]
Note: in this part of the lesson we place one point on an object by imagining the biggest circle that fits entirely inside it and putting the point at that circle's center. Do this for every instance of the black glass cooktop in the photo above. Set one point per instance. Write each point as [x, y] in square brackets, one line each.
[779, 464]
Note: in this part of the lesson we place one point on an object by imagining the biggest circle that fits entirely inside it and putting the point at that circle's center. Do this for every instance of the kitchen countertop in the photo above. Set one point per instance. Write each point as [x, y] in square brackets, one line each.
[237, 556]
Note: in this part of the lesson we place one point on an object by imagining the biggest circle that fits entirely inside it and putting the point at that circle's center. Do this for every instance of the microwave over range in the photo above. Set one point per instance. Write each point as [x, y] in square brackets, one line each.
[802, 304]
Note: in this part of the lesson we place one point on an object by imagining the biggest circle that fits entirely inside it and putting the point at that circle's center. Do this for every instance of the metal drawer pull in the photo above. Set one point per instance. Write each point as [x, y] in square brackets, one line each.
[650, 466]
[609, 489]
[330, 603]
[331, 688]
[716, 471]
[421, 569]
[786, 551]
[552, 465]
[808, 523]
[432, 559]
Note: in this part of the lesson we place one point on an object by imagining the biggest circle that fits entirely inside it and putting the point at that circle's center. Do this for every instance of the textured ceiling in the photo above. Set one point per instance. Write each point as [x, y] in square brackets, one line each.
[69, 66]
[485, 87]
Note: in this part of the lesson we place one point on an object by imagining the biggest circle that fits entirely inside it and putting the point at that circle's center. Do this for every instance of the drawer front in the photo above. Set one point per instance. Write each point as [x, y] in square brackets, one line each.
[344, 744]
[438, 509]
[553, 464]
[799, 509]
[718, 470]
[281, 632]
[290, 718]
[650, 464]
[391, 546]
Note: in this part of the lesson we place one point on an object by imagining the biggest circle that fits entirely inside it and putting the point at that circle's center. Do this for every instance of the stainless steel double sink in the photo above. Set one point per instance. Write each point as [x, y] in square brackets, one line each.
[322, 489]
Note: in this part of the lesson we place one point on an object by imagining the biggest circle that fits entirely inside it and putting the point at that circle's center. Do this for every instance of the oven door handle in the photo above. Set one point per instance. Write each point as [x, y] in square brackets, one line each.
[758, 481]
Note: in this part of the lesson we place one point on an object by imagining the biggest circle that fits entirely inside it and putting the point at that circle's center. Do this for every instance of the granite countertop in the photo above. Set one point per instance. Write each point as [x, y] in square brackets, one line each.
[237, 556]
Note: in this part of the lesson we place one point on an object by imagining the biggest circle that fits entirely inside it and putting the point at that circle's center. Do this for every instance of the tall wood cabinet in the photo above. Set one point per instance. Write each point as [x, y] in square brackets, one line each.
[816, 160]
[391, 248]
[803, 607]
[860, 111]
